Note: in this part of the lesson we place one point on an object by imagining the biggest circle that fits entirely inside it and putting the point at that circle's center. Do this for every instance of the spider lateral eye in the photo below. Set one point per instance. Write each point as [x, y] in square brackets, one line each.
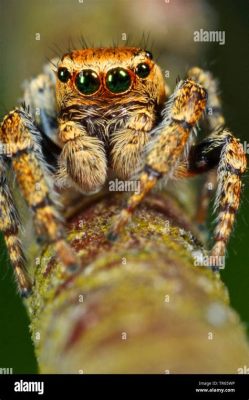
[63, 74]
[118, 80]
[142, 70]
[87, 81]
[149, 54]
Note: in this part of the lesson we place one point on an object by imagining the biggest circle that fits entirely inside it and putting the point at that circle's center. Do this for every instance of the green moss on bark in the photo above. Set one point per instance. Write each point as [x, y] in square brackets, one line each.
[138, 305]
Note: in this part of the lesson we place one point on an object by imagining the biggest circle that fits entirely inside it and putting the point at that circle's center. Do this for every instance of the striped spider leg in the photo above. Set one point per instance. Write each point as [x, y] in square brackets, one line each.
[165, 157]
[20, 137]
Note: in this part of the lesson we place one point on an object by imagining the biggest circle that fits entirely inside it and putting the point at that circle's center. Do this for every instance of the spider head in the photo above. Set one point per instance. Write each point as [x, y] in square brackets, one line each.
[107, 77]
[101, 90]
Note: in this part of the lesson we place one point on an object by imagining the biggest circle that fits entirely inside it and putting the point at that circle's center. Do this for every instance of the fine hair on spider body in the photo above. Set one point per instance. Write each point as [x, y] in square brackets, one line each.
[108, 112]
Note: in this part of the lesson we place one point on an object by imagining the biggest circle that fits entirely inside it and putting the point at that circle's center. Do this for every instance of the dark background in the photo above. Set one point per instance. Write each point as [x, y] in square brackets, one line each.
[170, 27]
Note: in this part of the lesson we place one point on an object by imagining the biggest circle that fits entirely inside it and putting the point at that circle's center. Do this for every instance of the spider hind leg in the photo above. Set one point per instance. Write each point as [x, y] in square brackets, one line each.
[9, 225]
[221, 149]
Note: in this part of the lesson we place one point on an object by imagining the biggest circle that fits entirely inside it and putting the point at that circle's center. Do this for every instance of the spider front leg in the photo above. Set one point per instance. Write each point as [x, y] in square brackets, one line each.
[168, 143]
[20, 138]
[221, 149]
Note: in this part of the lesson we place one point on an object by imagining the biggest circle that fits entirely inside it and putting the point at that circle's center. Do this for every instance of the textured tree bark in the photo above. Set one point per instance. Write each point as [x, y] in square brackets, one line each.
[138, 305]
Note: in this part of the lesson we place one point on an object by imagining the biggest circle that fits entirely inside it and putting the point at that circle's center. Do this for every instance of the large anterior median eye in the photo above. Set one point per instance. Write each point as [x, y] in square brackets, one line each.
[87, 82]
[118, 80]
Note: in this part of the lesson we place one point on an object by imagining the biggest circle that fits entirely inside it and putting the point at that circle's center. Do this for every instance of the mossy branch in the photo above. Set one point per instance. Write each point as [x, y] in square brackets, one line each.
[138, 305]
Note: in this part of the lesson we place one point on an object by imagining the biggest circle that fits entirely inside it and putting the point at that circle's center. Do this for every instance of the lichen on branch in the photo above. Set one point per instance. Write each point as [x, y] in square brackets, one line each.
[138, 305]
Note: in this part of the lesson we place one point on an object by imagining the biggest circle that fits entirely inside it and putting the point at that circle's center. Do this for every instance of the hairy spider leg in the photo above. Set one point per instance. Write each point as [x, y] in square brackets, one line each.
[221, 149]
[213, 121]
[9, 225]
[21, 138]
[169, 140]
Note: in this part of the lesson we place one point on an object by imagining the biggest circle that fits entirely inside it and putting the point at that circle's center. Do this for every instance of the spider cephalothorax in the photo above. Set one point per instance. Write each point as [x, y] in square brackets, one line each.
[108, 100]
[107, 112]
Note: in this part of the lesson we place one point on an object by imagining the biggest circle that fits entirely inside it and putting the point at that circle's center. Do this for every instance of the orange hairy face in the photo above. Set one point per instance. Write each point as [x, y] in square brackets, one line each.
[108, 76]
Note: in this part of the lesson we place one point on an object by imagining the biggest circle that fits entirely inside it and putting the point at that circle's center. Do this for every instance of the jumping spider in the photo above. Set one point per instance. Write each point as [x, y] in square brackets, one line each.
[108, 110]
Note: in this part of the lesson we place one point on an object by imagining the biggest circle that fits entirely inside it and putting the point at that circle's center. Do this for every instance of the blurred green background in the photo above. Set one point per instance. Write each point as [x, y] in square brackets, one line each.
[167, 27]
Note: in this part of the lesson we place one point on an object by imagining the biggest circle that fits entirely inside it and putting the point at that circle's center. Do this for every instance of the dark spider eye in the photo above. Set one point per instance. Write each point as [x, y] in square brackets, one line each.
[118, 80]
[87, 81]
[63, 74]
[142, 70]
[149, 54]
